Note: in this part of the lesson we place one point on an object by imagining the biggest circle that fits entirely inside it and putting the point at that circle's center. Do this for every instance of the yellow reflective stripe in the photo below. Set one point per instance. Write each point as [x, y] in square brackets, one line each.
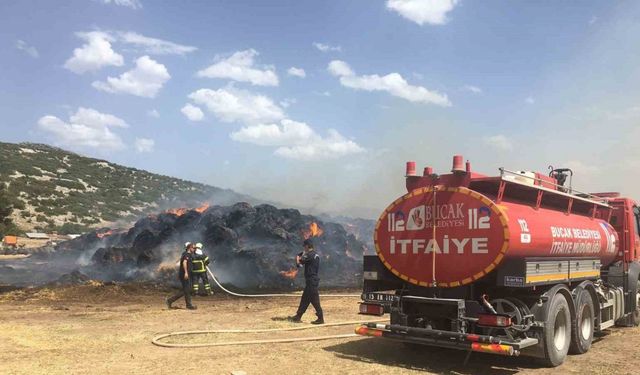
[576, 274]
[198, 266]
[549, 277]
[562, 276]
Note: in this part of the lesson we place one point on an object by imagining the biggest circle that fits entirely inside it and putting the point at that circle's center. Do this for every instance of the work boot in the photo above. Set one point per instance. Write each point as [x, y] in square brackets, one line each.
[192, 307]
[168, 302]
[294, 319]
[318, 321]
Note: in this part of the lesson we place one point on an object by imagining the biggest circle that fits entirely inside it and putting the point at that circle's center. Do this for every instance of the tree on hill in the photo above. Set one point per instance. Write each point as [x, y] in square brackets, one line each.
[6, 224]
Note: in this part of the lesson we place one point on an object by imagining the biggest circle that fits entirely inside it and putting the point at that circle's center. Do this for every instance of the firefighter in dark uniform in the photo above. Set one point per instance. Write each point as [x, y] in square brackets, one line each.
[200, 263]
[311, 262]
[185, 275]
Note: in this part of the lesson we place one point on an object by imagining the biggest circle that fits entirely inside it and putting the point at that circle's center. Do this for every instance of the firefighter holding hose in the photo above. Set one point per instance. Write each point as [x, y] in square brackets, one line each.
[311, 262]
[185, 274]
[200, 263]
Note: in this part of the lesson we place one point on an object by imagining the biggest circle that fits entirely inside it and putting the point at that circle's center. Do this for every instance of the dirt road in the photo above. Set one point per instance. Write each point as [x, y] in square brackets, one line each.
[106, 329]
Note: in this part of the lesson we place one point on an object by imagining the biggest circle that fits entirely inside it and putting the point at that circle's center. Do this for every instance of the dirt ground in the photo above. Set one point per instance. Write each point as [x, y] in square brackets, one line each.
[107, 329]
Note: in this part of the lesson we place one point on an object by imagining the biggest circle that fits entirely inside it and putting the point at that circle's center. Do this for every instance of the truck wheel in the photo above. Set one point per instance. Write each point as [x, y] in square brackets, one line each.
[557, 330]
[582, 332]
[635, 317]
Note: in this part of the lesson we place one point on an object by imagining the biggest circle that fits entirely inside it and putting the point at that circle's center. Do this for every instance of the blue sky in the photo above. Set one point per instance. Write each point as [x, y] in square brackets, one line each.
[515, 84]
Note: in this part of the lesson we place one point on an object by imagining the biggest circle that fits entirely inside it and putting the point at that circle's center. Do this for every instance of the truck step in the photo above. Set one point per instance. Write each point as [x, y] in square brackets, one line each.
[606, 324]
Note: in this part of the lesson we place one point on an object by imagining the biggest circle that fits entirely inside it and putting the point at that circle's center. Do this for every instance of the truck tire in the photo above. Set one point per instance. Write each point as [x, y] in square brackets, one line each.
[557, 331]
[583, 325]
[635, 316]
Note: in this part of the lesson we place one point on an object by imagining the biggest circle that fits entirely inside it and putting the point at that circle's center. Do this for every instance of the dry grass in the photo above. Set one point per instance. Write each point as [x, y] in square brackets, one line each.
[106, 329]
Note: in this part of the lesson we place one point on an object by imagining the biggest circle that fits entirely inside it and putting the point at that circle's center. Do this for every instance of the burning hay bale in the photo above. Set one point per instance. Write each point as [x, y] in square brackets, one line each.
[253, 246]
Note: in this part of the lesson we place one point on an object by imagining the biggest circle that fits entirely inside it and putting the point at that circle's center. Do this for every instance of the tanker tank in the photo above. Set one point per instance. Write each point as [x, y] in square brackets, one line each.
[452, 230]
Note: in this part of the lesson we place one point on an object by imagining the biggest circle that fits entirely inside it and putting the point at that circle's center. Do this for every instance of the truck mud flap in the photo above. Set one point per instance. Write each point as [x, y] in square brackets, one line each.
[446, 339]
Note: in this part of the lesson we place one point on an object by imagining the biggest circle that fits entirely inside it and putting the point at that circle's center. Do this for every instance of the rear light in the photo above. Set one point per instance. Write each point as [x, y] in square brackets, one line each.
[371, 309]
[492, 320]
[473, 338]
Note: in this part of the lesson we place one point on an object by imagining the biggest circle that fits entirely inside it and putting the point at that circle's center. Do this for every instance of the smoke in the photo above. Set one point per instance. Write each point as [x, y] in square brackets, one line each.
[84, 259]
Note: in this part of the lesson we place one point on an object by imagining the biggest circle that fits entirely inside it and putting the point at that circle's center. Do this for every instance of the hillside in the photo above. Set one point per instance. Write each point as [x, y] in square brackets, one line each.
[53, 189]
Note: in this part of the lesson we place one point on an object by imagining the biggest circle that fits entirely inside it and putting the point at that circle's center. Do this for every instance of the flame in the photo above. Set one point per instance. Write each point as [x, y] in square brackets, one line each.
[291, 274]
[109, 232]
[104, 234]
[177, 211]
[313, 231]
[183, 210]
[202, 208]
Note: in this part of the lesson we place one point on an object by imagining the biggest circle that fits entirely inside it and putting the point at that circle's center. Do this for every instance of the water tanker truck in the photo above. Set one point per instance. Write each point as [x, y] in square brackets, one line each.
[515, 264]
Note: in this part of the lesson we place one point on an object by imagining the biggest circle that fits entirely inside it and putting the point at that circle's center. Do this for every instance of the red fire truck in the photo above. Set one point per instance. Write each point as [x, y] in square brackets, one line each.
[515, 264]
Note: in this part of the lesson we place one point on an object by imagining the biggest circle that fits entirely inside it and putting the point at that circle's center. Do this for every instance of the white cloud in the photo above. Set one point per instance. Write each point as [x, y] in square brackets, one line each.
[133, 4]
[297, 72]
[145, 80]
[192, 112]
[95, 54]
[286, 103]
[94, 118]
[498, 142]
[286, 133]
[530, 100]
[340, 68]
[240, 67]
[472, 89]
[153, 113]
[326, 47]
[98, 51]
[266, 125]
[29, 50]
[392, 83]
[234, 105]
[433, 12]
[144, 145]
[153, 46]
[297, 140]
[87, 128]
[332, 147]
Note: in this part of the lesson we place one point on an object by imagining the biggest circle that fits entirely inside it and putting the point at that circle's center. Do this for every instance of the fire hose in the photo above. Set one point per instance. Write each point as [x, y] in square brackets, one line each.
[157, 340]
[215, 280]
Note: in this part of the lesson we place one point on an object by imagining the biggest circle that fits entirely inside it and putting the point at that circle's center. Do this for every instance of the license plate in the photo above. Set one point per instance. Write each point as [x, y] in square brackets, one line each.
[380, 297]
